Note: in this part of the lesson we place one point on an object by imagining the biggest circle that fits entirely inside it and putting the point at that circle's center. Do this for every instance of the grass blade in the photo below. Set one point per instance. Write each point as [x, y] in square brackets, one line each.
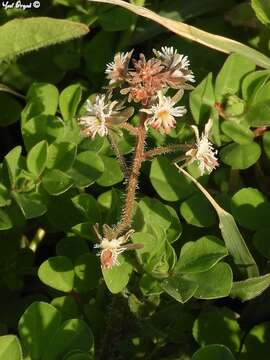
[192, 33]
[232, 237]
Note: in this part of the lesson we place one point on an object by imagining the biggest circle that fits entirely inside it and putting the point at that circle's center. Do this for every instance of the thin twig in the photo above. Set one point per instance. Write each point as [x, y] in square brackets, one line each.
[166, 149]
[130, 128]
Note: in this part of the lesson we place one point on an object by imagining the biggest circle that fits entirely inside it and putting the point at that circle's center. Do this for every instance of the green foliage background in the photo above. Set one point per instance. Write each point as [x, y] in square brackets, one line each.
[199, 287]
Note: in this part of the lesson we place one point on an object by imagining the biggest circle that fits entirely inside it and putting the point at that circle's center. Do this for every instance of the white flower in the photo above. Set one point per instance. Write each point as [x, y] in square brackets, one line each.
[177, 62]
[111, 249]
[164, 113]
[204, 152]
[101, 114]
[117, 69]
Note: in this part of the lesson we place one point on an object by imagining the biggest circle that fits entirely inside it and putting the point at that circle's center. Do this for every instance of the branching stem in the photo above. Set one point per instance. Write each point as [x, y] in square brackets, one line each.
[166, 149]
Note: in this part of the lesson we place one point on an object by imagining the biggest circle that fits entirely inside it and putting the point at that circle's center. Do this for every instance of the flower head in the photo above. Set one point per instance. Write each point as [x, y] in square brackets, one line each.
[204, 152]
[101, 113]
[178, 72]
[117, 69]
[163, 113]
[111, 249]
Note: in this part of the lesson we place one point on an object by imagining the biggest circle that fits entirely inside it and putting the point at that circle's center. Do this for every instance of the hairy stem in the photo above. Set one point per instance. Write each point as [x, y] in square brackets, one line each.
[125, 221]
[130, 128]
[166, 149]
[118, 154]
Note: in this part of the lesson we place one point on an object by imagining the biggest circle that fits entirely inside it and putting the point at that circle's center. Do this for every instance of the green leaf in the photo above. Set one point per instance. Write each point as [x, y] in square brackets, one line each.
[231, 234]
[266, 143]
[31, 204]
[69, 100]
[250, 288]
[68, 307]
[42, 99]
[61, 155]
[217, 326]
[238, 132]
[58, 273]
[261, 242]
[56, 182]
[80, 356]
[201, 255]
[190, 32]
[262, 10]
[116, 19]
[117, 277]
[5, 198]
[252, 83]
[74, 334]
[197, 211]
[179, 288]
[42, 127]
[12, 163]
[11, 109]
[240, 156]
[250, 209]
[213, 352]
[87, 167]
[10, 348]
[21, 35]
[72, 247]
[214, 283]
[37, 326]
[88, 206]
[256, 343]
[5, 221]
[87, 272]
[202, 99]
[258, 114]
[166, 180]
[232, 72]
[37, 157]
[112, 172]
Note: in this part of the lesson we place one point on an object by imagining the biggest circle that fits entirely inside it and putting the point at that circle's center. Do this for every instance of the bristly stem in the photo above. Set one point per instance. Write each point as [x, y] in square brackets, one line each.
[130, 128]
[118, 154]
[125, 222]
[166, 149]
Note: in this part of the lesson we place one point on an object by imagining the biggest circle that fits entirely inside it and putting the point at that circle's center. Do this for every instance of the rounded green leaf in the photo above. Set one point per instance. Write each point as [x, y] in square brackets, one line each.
[87, 272]
[87, 167]
[218, 326]
[11, 110]
[74, 334]
[168, 182]
[202, 99]
[240, 156]
[261, 241]
[112, 172]
[250, 288]
[201, 255]
[117, 277]
[116, 19]
[179, 288]
[32, 204]
[88, 206]
[56, 182]
[258, 114]
[197, 211]
[61, 155]
[266, 143]
[238, 132]
[37, 157]
[252, 83]
[214, 283]
[37, 326]
[58, 273]
[213, 352]
[250, 209]
[256, 343]
[5, 221]
[229, 78]
[10, 348]
[68, 307]
[69, 100]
